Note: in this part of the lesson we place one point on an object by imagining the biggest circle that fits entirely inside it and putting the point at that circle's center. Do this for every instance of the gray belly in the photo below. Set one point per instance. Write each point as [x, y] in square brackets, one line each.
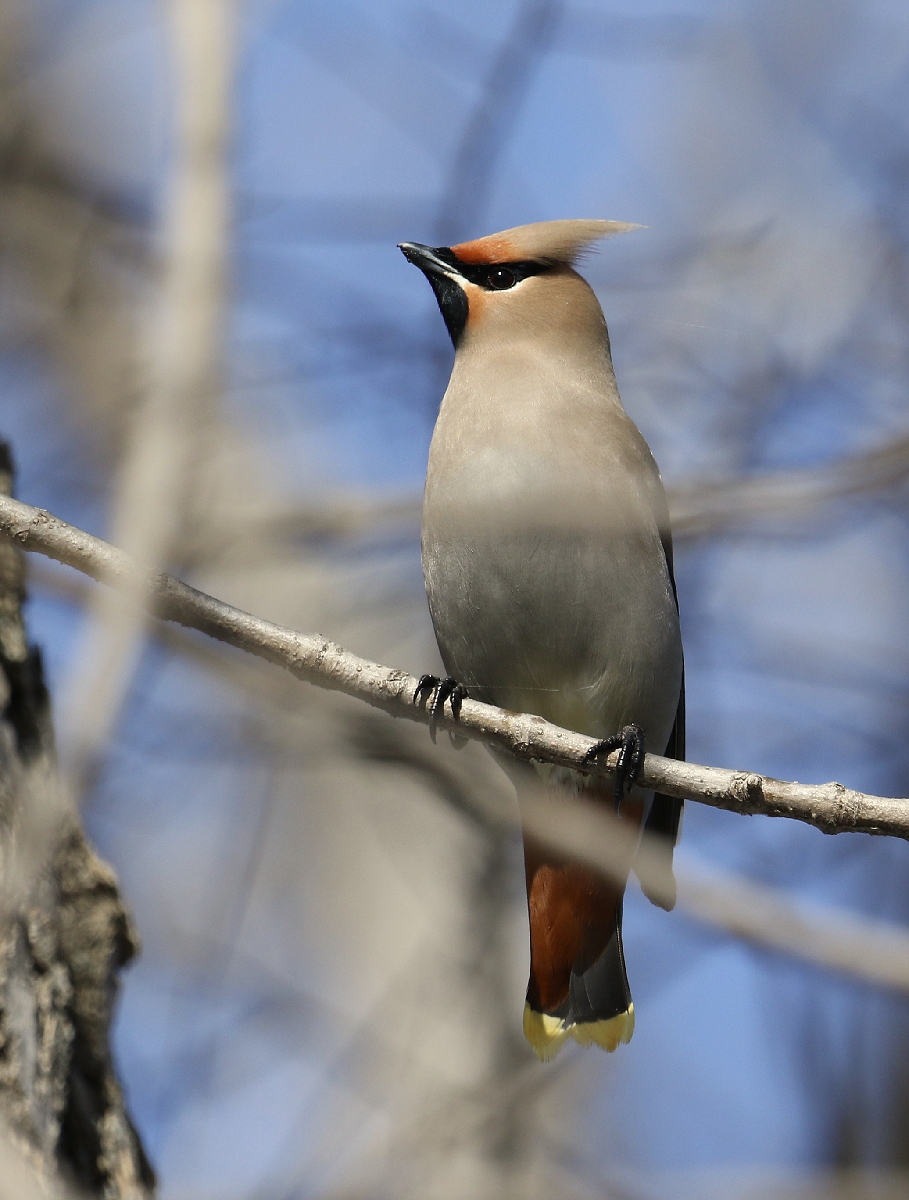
[578, 625]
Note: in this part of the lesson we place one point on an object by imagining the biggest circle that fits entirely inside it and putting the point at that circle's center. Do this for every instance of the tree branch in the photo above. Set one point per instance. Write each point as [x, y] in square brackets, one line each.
[830, 807]
[865, 949]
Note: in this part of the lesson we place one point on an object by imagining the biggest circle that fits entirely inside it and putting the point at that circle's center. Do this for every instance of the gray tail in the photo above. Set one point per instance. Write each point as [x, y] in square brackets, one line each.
[601, 992]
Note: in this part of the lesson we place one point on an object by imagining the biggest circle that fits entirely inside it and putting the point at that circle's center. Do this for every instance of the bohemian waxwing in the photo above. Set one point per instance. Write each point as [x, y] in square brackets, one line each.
[548, 567]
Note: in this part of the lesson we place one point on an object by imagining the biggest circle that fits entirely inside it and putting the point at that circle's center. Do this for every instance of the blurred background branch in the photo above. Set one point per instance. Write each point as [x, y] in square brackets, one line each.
[710, 508]
[179, 369]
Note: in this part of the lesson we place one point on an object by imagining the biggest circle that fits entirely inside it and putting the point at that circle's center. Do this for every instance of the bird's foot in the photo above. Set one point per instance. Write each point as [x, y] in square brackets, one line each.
[630, 745]
[440, 690]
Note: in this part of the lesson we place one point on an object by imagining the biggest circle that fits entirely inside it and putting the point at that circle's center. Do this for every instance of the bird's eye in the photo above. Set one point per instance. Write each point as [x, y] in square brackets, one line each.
[501, 279]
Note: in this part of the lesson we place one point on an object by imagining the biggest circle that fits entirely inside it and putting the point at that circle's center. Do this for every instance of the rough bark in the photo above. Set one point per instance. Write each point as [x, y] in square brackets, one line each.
[64, 937]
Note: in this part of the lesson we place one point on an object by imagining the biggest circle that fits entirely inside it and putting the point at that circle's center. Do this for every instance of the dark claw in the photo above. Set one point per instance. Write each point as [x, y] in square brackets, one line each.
[448, 689]
[426, 686]
[440, 690]
[458, 695]
[630, 745]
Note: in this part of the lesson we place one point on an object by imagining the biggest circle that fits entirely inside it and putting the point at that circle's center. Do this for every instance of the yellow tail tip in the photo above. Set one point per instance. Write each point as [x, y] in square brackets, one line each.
[548, 1034]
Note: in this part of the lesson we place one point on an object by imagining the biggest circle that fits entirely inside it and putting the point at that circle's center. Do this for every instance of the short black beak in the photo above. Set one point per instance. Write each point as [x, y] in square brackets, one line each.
[437, 264]
[424, 257]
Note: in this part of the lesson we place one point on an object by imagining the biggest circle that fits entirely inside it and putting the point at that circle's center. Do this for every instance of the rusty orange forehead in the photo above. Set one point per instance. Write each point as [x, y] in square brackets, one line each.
[492, 249]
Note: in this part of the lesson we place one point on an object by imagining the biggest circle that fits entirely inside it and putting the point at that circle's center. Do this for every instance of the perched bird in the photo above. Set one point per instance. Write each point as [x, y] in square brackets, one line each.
[548, 566]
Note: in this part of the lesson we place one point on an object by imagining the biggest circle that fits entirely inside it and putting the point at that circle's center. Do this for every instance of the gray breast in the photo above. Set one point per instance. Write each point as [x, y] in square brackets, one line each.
[546, 576]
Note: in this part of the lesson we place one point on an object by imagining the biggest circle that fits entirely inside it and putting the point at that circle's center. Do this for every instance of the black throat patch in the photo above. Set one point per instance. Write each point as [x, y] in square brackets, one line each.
[452, 298]
[452, 304]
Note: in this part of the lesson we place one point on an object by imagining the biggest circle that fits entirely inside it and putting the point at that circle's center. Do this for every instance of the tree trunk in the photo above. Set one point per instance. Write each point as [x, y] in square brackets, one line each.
[64, 937]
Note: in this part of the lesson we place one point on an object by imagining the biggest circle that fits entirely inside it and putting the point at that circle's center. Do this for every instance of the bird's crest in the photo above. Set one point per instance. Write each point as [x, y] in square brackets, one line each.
[550, 241]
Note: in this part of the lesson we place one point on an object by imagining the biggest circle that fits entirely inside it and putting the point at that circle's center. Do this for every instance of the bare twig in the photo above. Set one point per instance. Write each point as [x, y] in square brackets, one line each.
[868, 950]
[830, 807]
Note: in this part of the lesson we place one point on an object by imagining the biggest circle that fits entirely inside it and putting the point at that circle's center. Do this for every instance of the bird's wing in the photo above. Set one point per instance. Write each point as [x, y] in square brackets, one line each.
[665, 815]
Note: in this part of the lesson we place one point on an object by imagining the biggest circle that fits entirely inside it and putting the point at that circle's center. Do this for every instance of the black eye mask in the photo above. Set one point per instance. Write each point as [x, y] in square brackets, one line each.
[494, 277]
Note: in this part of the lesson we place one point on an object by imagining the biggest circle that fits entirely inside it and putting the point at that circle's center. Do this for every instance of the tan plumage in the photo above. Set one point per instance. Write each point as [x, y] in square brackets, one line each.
[548, 569]
[559, 241]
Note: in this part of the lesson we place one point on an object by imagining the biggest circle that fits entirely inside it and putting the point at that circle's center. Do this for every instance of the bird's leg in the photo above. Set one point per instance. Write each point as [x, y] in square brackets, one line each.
[441, 690]
[630, 745]
[425, 687]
